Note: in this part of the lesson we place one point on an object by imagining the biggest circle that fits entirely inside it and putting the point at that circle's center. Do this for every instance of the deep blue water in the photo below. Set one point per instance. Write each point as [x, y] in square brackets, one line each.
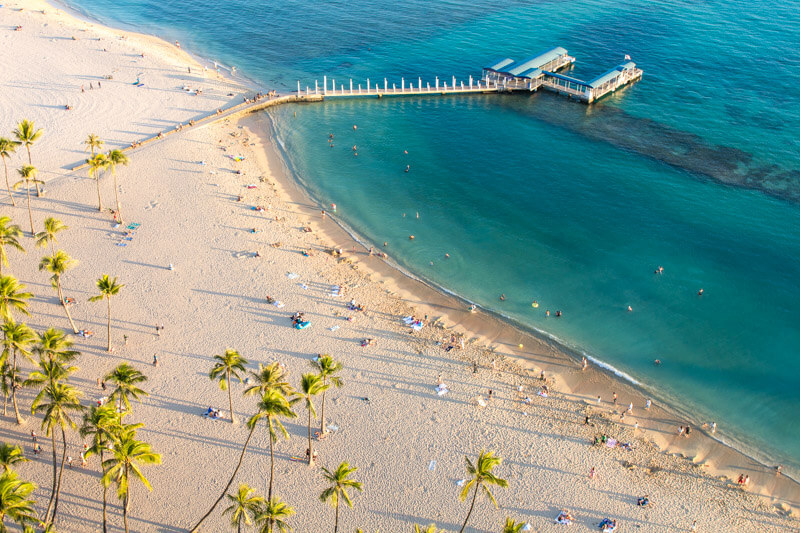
[696, 168]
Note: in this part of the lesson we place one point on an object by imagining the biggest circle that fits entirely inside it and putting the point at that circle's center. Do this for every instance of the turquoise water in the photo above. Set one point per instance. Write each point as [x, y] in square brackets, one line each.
[696, 169]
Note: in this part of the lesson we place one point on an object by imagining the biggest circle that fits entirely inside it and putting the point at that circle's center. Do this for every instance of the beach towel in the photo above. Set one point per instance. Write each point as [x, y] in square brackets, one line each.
[122, 244]
[481, 402]
[611, 443]
[432, 466]
[133, 225]
[302, 325]
[292, 275]
[278, 304]
[408, 320]
[416, 326]
[333, 328]
[298, 459]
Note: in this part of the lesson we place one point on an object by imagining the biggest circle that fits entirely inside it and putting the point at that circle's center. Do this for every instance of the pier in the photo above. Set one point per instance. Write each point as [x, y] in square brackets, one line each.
[503, 76]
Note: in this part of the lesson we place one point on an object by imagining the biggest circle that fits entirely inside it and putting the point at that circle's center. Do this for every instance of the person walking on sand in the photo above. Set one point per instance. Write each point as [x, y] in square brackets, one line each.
[614, 396]
[647, 404]
[630, 408]
[584, 364]
[591, 473]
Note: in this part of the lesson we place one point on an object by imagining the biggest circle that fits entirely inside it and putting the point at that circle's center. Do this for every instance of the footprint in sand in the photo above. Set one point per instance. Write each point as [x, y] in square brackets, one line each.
[151, 205]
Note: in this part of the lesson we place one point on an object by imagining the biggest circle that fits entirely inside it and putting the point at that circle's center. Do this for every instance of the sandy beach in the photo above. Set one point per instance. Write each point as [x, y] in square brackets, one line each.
[407, 441]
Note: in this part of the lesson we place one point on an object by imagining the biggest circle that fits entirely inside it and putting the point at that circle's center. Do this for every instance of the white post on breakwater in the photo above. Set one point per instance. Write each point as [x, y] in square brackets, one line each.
[385, 85]
[325, 85]
[470, 82]
[351, 85]
[437, 83]
[454, 82]
[298, 86]
[419, 83]
[367, 85]
[403, 84]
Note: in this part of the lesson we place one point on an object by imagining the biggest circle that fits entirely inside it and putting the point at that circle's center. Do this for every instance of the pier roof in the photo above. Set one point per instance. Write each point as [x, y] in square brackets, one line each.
[500, 64]
[536, 61]
[611, 74]
[568, 78]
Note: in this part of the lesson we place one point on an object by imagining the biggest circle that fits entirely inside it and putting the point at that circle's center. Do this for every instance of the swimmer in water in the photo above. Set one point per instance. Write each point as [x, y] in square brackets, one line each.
[447, 256]
[408, 167]
[405, 152]
[502, 297]
[355, 127]
[354, 148]
[630, 308]
[547, 313]
[700, 292]
[535, 304]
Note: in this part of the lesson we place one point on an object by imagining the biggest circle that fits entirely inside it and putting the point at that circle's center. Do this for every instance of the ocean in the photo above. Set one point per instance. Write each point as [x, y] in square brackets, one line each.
[696, 169]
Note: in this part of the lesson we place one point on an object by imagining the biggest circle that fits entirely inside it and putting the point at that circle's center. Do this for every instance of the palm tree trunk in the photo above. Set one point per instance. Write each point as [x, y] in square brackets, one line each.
[474, 495]
[30, 213]
[108, 298]
[8, 186]
[309, 438]
[55, 473]
[230, 481]
[271, 462]
[336, 522]
[28, 147]
[99, 200]
[116, 195]
[322, 415]
[5, 404]
[64, 303]
[20, 420]
[60, 473]
[105, 494]
[230, 400]
[126, 502]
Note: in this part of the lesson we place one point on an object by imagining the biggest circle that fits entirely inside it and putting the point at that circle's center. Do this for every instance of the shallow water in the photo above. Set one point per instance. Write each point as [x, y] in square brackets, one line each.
[696, 168]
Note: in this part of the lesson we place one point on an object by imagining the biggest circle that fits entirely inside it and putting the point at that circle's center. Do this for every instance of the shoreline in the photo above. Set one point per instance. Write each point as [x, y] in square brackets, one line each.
[717, 458]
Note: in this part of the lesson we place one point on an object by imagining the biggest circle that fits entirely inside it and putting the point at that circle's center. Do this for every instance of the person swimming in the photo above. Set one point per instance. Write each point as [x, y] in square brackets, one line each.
[408, 167]
[502, 297]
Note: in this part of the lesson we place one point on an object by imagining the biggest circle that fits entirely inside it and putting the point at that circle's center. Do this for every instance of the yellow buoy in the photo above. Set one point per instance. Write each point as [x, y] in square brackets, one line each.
[535, 304]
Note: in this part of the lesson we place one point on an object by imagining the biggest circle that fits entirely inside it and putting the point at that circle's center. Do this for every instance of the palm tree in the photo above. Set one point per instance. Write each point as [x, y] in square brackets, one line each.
[28, 174]
[338, 490]
[228, 364]
[50, 372]
[12, 298]
[116, 157]
[512, 527]
[327, 368]
[8, 147]
[272, 406]
[9, 236]
[273, 514]
[430, 528]
[55, 345]
[17, 339]
[244, 504]
[481, 477]
[97, 163]
[310, 386]
[93, 143]
[124, 466]
[14, 500]
[10, 455]
[126, 378]
[269, 377]
[108, 287]
[57, 400]
[27, 134]
[100, 423]
[57, 265]
[48, 235]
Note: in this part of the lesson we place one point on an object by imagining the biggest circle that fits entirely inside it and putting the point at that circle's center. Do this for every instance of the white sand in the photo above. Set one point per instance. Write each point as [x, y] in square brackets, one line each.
[215, 298]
